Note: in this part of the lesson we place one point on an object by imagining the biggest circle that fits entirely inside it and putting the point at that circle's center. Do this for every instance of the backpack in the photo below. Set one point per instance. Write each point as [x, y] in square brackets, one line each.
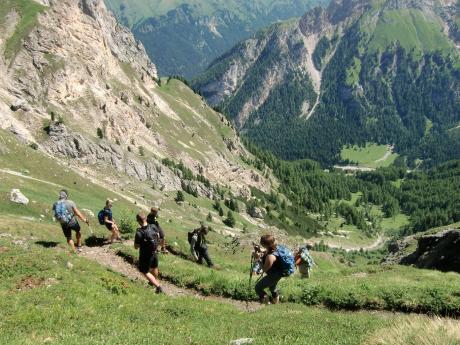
[306, 257]
[151, 238]
[101, 217]
[286, 260]
[190, 236]
[61, 213]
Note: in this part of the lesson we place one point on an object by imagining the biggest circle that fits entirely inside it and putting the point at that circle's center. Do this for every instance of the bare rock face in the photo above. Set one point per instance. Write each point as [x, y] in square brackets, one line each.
[63, 143]
[17, 197]
[257, 212]
[440, 251]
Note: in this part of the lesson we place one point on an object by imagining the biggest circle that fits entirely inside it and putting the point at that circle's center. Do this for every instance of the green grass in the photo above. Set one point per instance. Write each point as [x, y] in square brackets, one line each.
[28, 11]
[369, 155]
[411, 28]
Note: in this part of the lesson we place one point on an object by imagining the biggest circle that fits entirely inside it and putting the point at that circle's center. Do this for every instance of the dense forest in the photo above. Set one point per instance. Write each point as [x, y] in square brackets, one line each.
[430, 198]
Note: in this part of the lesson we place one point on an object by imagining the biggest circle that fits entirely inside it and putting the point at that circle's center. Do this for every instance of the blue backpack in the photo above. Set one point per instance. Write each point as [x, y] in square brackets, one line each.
[101, 217]
[61, 213]
[286, 258]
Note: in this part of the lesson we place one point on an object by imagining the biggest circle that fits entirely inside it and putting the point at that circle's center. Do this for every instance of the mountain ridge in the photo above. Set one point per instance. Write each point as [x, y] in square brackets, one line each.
[345, 52]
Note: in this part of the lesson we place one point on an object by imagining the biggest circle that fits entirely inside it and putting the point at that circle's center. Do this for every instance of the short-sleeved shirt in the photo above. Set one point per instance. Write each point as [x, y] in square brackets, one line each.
[108, 214]
[70, 206]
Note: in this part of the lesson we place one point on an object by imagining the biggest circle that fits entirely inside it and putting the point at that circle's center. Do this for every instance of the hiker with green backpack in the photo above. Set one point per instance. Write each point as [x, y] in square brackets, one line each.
[65, 212]
[146, 240]
[304, 261]
[277, 262]
[199, 246]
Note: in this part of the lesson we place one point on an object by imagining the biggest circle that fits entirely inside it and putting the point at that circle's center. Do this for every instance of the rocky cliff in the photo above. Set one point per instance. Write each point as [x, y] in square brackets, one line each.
[82, 88]
[440, 251]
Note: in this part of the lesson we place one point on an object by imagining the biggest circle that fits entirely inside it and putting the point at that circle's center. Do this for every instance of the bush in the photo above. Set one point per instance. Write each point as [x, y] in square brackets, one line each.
[141, 151]
[230, 220]
[34, 146]
[311, 295]
[99, 133]
[180, 196]
[209, 217]
[127, 225]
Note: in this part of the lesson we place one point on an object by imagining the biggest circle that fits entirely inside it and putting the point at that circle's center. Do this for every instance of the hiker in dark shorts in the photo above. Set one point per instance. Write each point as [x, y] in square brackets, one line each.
[146, 240]
[66, 211]
[271, 267]
[199, 247]
[152, 218]
[110, 223]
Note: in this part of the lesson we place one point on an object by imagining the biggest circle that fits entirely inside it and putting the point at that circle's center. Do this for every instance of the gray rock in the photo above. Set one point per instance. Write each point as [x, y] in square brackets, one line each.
[20, 104]
[17, 197]
[257, 212]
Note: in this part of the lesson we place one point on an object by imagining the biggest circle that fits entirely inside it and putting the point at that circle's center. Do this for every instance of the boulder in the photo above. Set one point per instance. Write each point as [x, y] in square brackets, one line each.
[17, 197]
[20, 104]
[256, 212]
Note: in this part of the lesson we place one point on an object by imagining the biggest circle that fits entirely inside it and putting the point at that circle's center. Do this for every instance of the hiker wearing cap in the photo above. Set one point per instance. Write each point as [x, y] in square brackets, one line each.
[199, 246]
[105, 217]
[152, 218]
[278, 262]
[146, 240]
[65, 212]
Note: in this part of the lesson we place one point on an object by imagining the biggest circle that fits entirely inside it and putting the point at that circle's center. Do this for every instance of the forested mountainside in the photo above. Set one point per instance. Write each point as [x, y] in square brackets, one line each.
[183, 37]
[359, 71]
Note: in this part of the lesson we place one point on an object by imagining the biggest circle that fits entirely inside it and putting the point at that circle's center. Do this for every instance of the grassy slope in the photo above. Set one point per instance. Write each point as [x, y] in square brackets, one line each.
[369, 155]
[412, 28]
[89, 304]
[27, 11]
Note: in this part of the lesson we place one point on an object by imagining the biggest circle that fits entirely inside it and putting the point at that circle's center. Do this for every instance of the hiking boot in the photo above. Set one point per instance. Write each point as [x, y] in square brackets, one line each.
[159, 290]
[265, 300]
[275, 300]
[79, 249]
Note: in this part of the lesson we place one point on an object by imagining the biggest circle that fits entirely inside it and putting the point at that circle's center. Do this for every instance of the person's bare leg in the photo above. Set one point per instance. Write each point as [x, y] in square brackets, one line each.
[71, 244]
[114, 235]
[117, 232]
[155, 272]
[151, 278]
[78, 239]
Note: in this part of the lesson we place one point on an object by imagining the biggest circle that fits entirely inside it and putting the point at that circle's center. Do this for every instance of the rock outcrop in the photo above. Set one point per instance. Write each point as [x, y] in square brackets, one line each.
[440, 251]
[17, 197]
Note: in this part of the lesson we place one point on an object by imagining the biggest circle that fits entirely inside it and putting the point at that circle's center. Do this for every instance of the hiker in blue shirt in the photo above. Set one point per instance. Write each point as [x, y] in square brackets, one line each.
[65, 212]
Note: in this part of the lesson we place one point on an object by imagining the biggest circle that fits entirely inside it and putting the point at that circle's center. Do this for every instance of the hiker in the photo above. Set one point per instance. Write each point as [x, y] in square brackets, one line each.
[146, 240]
[304, 261]
[198, 245]
[278, 262]
[105, 217]
[152, 218]
[65, 211]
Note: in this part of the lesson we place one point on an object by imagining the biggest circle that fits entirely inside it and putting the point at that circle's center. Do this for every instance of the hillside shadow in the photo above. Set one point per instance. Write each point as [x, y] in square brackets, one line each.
[47, 244]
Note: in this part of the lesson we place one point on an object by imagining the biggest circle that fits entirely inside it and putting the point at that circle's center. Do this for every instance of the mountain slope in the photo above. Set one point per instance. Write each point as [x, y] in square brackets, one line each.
[183, 37]
[80, 87]
[380, 71]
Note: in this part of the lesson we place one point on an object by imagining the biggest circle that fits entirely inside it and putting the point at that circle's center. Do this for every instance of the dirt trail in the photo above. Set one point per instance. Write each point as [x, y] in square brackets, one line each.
[386, 155]
[373, 246]
[107, 257]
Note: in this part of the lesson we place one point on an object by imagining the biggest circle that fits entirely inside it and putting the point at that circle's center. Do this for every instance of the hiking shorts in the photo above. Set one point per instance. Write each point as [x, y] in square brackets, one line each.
[148, 263]
[109, 226]
[67, 229]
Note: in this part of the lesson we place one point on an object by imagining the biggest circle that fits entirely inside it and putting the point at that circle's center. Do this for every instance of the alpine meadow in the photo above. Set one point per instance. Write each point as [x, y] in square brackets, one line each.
[230, 172]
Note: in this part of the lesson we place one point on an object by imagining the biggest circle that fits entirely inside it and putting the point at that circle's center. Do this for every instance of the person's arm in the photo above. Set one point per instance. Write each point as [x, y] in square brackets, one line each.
[192, 247]
[268, 263]
[77, 212]
[162, 239]
[137, 240]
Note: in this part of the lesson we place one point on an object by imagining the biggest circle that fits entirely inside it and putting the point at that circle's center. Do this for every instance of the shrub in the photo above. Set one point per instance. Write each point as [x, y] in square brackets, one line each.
[99, 133]
[180, 196]
[141, 151]
[34, 146]
[230, 220]
[127, 225]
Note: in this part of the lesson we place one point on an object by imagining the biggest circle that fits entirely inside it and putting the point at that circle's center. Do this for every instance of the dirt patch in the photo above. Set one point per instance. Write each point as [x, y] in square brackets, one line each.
[30, 282]
[108, 257]
[3, 250]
